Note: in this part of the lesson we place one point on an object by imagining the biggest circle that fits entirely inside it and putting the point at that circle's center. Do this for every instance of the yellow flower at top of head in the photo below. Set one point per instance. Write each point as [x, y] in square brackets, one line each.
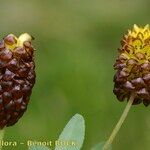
[133, 66]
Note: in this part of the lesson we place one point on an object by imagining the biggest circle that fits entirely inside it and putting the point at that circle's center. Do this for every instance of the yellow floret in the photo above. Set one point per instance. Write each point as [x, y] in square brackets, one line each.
[137, 40]
[19, 41]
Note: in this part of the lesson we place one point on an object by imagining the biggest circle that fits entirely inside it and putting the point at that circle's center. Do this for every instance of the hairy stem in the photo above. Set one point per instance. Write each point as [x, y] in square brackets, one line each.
[120, 122]
[1, 137]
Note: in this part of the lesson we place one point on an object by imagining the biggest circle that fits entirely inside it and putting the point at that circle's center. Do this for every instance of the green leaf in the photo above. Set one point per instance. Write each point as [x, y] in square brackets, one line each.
[99, 146]
[73, 133]
[38, 148]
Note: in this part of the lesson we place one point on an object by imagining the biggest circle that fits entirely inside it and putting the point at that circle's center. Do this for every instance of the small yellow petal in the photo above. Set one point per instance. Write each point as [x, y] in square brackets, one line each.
[24, 37]
[135, 27]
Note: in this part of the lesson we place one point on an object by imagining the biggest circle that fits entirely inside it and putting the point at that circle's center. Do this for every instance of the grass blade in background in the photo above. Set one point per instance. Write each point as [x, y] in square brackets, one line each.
[73, 132]
[100, 146]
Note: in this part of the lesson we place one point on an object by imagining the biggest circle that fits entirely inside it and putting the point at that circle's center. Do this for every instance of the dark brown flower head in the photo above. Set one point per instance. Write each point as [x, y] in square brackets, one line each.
[133, 66]
[17, 77]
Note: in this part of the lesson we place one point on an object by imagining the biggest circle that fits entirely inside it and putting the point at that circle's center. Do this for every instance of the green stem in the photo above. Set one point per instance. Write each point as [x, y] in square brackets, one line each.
[120, 122]
[1, 137]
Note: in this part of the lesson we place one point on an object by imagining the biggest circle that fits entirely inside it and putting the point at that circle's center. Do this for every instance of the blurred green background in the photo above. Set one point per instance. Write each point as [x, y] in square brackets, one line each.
[76, 45]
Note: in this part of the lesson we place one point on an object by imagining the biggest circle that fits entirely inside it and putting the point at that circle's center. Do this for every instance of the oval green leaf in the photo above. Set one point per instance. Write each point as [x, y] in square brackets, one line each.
[72, 136]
